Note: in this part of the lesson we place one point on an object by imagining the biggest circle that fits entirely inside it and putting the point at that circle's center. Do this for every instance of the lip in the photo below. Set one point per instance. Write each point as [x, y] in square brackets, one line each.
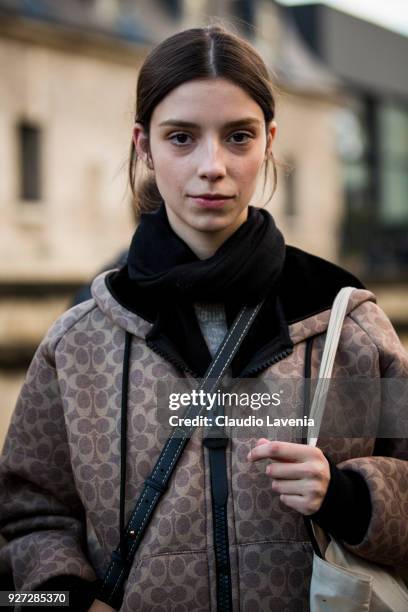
[213, 196]
[212, 202]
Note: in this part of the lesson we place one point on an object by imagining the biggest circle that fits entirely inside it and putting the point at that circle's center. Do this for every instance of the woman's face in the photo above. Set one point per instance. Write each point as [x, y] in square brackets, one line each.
[207, 136]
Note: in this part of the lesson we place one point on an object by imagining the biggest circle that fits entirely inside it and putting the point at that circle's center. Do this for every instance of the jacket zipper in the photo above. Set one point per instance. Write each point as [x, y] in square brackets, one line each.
[220, 522]
[218, 467]
[182, 366]
[171, 359]
[272, 360]
[222, 606]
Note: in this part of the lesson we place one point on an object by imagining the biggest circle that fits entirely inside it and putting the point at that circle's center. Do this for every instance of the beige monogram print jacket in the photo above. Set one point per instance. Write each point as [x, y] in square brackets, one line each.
[60, 469]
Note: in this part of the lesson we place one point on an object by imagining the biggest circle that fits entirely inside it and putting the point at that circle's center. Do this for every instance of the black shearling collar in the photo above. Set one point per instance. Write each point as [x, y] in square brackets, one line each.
[308, 285]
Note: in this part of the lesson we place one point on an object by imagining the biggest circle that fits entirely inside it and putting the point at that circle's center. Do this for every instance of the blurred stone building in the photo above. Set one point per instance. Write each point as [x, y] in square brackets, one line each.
[371, 146]
[67, 87]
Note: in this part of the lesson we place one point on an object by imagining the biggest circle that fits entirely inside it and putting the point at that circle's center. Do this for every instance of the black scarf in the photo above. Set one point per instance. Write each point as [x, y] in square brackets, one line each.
[163, 278]
[243, 269]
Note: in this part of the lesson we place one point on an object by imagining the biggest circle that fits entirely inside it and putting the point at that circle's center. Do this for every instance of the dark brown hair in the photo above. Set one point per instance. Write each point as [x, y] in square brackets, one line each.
[196, 53]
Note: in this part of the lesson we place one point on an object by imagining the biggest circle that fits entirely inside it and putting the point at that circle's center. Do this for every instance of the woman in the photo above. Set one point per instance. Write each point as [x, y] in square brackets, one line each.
[204, 130]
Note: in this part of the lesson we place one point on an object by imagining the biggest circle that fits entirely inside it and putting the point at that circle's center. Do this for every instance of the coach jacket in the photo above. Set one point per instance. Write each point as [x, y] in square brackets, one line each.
[60, 467]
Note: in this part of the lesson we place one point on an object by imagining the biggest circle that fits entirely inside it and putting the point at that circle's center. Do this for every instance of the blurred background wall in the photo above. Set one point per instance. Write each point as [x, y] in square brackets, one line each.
[68, 72]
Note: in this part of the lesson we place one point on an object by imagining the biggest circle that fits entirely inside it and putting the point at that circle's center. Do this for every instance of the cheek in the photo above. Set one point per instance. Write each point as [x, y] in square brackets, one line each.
[247, 170]
[172, 170]
[171, 184]
[169, 176]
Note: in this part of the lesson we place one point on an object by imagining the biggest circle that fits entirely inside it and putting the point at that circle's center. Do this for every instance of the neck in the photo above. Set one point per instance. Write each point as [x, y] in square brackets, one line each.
[204, 244]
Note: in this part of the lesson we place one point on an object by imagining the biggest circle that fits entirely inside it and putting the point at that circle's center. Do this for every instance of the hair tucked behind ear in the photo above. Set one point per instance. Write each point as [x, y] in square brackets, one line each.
[196, 53]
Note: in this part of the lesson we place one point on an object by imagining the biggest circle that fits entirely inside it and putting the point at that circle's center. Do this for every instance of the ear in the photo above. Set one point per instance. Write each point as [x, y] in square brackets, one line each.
[270, 138]
[141, 142]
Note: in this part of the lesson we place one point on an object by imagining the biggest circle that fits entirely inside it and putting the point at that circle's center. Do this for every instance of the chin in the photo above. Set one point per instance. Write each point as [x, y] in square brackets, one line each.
[214, 224]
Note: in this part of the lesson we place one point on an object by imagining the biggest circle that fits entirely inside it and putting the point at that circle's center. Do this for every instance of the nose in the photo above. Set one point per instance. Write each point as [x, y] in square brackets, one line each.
[211, 164]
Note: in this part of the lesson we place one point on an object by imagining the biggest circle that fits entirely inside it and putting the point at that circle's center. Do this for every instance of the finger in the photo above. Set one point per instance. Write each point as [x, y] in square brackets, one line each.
[290, 487]
[261, 441]
[287, 471]
[282, 451]
[301, 503]
[294, 501]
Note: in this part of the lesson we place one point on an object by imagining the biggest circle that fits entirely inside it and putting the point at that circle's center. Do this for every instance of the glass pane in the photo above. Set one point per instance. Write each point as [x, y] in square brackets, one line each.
[393, 130]
[394, 195]
[356, 175]
[351, 133]
[30, 146]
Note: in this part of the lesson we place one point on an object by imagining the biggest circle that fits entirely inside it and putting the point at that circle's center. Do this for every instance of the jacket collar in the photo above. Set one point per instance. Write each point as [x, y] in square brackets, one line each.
[298, 307]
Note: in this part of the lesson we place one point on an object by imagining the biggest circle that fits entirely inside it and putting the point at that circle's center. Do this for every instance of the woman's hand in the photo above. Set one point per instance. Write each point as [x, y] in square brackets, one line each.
[100, 606]
[300, 473]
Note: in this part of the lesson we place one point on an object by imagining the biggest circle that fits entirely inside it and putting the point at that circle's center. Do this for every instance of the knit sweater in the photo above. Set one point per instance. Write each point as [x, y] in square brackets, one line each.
[213, 323]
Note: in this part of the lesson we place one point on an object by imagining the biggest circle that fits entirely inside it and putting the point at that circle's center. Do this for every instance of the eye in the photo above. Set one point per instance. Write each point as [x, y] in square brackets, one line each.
[179, 135]
[246, 136]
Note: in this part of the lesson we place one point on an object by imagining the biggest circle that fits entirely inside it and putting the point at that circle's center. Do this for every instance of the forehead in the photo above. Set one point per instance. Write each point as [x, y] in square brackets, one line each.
[215, 101]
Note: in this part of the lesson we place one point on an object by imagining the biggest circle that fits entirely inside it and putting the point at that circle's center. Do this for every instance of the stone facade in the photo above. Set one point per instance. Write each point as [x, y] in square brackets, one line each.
[83, 106]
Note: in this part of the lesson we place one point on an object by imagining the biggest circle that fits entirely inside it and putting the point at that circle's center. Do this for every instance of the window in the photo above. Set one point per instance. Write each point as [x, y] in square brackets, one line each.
[245, 12]
[174, 7]
[373, 146]
[392, 123]
[29, 137]
[353, 145]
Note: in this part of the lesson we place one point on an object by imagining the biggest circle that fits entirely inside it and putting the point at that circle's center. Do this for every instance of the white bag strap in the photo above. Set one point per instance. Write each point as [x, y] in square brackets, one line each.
[338, 312]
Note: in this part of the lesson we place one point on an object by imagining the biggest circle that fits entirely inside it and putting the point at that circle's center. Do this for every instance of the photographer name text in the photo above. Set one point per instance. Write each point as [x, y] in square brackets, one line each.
[248, 421]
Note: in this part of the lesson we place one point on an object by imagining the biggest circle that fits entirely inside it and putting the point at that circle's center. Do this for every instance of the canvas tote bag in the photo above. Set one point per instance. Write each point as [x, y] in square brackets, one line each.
[342, 581]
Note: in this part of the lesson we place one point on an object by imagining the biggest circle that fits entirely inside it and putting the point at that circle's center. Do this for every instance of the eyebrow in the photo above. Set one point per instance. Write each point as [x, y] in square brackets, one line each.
[189, 124]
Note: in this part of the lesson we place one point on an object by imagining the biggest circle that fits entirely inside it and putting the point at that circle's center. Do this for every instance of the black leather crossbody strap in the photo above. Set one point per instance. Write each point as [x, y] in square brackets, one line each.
[111, 591]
